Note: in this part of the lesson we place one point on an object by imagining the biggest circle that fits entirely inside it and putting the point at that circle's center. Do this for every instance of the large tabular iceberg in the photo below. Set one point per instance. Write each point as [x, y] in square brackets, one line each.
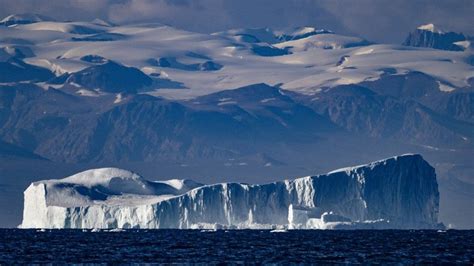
[399, 192]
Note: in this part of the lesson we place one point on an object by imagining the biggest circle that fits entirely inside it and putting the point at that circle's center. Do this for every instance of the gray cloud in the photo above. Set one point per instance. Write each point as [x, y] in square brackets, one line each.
[377, 20]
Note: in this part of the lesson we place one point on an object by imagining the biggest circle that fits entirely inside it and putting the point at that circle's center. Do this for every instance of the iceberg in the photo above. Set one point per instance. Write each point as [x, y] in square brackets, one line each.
[395, 193]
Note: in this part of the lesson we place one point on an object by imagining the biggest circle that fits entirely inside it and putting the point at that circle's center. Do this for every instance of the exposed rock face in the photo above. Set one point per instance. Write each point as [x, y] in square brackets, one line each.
[15, 70]
[409, 107]
[68, 127]
[111, 77]
[399, 192]
[428, 36]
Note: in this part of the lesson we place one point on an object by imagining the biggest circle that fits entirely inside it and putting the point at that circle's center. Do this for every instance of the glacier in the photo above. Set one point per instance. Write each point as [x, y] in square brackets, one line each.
[395, 193]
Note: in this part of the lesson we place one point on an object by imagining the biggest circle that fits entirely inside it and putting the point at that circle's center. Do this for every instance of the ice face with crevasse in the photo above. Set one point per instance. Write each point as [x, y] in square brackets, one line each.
[399, 192]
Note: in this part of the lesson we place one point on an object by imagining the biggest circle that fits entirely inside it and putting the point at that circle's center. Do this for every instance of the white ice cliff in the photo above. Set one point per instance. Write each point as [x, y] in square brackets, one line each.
[399, 192]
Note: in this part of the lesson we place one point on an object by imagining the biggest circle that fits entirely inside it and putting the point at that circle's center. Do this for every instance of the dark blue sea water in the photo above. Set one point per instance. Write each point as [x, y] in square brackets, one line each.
[247, 246]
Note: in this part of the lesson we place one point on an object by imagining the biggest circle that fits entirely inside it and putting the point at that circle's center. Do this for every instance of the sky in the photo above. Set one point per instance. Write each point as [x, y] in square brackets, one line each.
[386, 21]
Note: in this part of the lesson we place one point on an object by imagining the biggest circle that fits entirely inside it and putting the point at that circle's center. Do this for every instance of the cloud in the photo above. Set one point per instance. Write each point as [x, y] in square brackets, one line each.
[378, 20]
[200, 15]
[58, 9]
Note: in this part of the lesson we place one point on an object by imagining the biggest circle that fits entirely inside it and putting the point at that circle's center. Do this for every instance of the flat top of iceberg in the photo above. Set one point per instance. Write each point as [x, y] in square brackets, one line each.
[373, 164]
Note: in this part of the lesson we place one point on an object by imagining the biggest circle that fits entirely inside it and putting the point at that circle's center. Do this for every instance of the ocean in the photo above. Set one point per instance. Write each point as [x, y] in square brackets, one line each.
[236, 246]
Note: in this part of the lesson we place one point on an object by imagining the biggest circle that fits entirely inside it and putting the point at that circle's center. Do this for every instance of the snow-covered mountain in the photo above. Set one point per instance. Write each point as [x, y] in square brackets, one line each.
[271, 36]
[260, 101]
[431, 36]
[17, 19]
[399, 192]
[302, 59]
[111, 69]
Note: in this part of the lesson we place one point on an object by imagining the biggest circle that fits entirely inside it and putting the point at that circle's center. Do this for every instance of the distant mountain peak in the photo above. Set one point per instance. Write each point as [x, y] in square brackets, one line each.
[300, 33]
[273, 36]
[432, 36]
[26, 18]
[430, 27]
[101, 22]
